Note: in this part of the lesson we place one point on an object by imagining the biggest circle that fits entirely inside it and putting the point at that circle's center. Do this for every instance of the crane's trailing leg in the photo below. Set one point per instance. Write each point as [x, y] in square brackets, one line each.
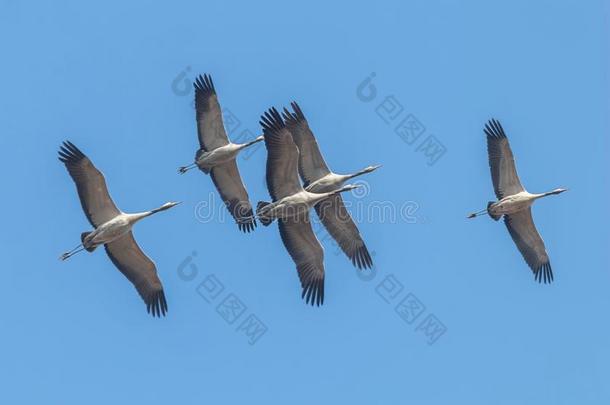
[184, 169]
[261, 208]
[72, 252]
[476, 214]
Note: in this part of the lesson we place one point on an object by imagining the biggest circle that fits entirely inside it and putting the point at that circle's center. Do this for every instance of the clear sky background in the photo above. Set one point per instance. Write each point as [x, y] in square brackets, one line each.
[114, 78]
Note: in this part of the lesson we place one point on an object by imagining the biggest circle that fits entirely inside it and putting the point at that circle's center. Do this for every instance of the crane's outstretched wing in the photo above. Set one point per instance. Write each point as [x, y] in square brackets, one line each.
[140, 270]
[90, 184]
[308, 255]
[501, 162]
[282, 157]
[341, 226]
[523, 231]
[233, 192]
[312, 166]
[210, 128]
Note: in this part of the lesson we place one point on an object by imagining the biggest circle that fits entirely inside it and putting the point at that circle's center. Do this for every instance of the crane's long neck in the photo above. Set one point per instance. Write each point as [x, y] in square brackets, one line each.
[141, 215]
[256, 140]
[548, 193]
[358, 173]
[317, 197]
[138, 216]
[343, 189]
[366, 170]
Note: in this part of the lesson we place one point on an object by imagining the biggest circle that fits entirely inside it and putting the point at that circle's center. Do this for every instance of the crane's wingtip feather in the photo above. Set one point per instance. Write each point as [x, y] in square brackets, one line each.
[493, 129]
[156, 305]
[271, 121]
[313, 292]
[204, 85]
[248, 226]
[69, 153]
[295, 117]
[361, 258]
[544, 273]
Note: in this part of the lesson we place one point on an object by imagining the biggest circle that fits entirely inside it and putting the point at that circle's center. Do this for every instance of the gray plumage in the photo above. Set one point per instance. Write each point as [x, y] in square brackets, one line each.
[213, 139]
[331, 211]
[296, 232]
[514, 203]
[100, 210]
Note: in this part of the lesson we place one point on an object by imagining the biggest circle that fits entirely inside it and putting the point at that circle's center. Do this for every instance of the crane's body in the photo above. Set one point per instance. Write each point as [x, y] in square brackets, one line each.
[116, 227]
[333, 181]
[294, 205]
[516, 202]
[513, 203]
[108, 231]
[206, 161]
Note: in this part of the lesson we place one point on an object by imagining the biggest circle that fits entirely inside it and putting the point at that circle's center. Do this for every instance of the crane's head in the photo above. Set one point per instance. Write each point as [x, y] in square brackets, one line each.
[166, 206]
[171, 204]
[369, 169]
[559, 190]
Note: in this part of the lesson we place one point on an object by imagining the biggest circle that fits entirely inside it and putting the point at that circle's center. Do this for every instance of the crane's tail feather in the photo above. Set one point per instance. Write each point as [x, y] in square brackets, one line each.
[265, 220]
[494, 217]
[202, 155]
[82, 239]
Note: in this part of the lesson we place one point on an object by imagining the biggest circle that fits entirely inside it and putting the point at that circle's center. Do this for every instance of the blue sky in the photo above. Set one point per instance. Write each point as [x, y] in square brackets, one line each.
[110, 77]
